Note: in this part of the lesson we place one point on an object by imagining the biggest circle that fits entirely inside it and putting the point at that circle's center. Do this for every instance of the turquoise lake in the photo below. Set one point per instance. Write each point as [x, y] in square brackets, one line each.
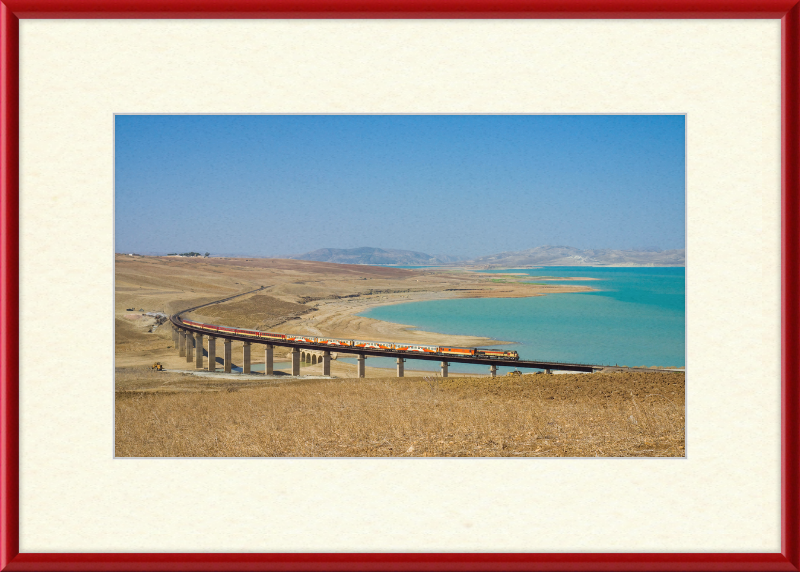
[636, 317]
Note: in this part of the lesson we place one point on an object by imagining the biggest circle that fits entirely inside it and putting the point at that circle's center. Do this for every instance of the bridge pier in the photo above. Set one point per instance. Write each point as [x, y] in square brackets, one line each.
[444, 368]
[493, 370]
[189, 347]
[198, 362]
[246, 358]
[362, 366]
[295, 358]
[181, 343]
[226, 342]
[548, 372]
[326, 362]
[175, 336]
[212, 353]
[400, 367]
[268, 359]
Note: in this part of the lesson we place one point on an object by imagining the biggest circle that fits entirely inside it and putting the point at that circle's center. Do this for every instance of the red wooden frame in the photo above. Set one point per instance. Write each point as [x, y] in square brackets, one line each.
[10, 13]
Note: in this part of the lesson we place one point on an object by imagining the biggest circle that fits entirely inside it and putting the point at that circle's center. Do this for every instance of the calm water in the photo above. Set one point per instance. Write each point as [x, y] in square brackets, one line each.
[637, 317]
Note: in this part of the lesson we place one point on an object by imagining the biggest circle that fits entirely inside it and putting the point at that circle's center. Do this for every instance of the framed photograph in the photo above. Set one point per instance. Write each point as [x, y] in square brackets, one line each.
[137, 143]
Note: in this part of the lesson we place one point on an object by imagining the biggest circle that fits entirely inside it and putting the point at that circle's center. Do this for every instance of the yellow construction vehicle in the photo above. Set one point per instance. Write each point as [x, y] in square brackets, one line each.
[514, 373]
[157, 366]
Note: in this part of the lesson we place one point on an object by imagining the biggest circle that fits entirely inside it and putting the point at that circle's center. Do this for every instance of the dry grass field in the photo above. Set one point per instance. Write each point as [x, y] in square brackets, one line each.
[605, 415]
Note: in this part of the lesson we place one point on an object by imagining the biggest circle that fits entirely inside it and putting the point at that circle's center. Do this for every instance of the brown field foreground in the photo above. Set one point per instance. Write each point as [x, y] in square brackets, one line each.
[591, 415]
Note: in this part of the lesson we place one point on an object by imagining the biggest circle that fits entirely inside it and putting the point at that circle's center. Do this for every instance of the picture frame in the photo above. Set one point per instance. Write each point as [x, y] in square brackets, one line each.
[10, 14]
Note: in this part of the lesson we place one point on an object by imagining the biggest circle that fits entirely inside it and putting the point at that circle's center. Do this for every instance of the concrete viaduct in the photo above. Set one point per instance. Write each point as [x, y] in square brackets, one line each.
[190, 345]
[189, 341]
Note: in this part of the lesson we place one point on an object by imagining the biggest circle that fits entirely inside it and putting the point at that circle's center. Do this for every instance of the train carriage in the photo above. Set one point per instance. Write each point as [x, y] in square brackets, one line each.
[272, 336]
[465, 352]
[302, 339]
[335, 342]
[416, 349]
[373, 345]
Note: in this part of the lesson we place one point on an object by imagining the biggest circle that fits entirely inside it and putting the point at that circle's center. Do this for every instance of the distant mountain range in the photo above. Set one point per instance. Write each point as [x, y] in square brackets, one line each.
[369, 255]
[539, 256]
[569, 256]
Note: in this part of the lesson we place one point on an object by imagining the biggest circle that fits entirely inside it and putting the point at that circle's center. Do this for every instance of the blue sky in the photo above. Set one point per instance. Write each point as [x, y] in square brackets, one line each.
[465, 185]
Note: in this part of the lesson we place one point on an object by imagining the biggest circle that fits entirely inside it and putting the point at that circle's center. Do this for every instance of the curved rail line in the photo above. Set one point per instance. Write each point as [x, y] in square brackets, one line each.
[178, 322]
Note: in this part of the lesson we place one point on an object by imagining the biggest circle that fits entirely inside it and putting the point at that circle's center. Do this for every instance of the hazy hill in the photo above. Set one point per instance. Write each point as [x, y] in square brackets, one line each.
[539, 256]
[367, 255]
[569, 256]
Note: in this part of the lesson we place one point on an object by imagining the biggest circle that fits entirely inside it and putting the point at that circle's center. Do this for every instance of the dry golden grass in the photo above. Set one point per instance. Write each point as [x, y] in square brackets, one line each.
[255, 311]
[606, 415]
[132, 336]
[180, 305]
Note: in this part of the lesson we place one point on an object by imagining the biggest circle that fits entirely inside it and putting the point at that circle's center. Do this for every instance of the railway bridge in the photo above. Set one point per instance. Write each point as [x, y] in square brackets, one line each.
[189, 340]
